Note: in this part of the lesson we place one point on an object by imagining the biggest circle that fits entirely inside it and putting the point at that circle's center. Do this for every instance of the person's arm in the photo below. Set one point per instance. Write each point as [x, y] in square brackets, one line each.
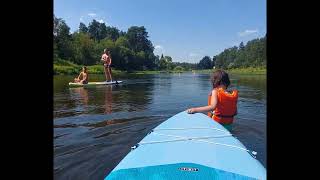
[110, 60]
[85, 77]
[214, 100]
[103, 58]
[79, 75]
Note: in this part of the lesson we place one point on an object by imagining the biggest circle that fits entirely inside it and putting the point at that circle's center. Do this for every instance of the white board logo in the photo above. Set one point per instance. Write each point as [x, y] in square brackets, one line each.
[189, 169]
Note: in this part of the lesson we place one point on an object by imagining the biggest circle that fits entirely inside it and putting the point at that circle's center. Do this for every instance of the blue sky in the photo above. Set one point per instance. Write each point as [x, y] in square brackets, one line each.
[186, 30]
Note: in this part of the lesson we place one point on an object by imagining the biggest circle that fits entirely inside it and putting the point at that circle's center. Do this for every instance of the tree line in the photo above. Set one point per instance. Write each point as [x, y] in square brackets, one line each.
[253, 54]
[132, 50]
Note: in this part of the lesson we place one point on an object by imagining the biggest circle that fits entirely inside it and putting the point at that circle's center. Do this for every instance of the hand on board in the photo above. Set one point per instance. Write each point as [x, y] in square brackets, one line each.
[191, 110]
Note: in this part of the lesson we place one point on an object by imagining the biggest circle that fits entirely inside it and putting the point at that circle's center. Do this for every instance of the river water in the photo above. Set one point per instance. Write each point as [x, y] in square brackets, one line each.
[94, 127]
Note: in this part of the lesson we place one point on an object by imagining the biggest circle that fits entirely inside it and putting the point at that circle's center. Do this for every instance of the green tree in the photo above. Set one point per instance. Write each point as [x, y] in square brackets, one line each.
[126, 61]
[138, 39]
[185, 65]
[162, 63]
[103, 33]
[131, 50]
[138, 42]
[97, 31]
[62, 38]
[84, 49]
[112, 33]
[55, 51]
[83, 28]
[205, 63]
[178, 68]
[122, 41]
[253, 54]
[241, 46]
[93, 29]
[122, 33]
[214, 61]
[140, 59]
[157, 62]
[169, 63]
[106, 44]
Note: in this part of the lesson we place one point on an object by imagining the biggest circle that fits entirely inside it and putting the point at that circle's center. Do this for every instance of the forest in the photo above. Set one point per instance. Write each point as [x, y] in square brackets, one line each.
[131, 50]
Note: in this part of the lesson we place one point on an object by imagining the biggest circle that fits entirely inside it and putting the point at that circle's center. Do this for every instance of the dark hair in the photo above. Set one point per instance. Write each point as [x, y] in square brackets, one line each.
[220, 77]
[85, 68]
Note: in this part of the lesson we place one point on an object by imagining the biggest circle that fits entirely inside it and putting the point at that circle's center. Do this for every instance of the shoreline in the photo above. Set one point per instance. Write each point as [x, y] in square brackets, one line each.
[73, 69]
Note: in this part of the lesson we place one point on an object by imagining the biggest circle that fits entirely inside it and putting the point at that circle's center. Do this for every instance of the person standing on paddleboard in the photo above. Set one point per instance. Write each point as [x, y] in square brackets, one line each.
[83, 76]
[106, 58]
[222, 105]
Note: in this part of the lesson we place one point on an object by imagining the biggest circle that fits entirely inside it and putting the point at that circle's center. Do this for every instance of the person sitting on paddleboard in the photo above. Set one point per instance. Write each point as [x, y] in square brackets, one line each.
[222, 105]
[83, 76]
[106, 58]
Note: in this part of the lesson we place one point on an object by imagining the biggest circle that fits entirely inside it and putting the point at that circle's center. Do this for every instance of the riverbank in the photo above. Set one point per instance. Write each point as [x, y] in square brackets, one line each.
[243, 71]
[73, 69]
[68, 68]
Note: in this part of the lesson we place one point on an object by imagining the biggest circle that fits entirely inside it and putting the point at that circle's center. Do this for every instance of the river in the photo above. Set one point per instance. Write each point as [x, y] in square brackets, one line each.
[94, 127]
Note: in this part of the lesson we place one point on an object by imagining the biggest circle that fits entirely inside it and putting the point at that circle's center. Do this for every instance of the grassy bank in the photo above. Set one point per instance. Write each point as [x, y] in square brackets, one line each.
[249, 71]
[68, 68]
[156, 72]
[98, 69]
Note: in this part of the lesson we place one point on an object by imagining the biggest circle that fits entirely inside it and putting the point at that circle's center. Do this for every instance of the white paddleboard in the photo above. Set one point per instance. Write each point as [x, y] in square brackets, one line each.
[94, 83]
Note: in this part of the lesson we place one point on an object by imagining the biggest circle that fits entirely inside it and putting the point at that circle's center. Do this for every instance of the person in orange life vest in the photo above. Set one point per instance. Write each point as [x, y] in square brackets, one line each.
[222, 105]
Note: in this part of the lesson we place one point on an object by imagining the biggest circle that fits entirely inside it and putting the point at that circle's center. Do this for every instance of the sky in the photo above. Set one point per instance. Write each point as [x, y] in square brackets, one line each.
[186, 30]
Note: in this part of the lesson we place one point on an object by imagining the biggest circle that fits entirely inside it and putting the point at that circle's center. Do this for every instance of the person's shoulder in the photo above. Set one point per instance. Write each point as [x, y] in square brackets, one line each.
[235, 91]
[214, 91]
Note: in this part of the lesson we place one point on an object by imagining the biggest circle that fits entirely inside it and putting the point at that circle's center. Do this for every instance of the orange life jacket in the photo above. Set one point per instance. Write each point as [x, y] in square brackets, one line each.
[226, 107]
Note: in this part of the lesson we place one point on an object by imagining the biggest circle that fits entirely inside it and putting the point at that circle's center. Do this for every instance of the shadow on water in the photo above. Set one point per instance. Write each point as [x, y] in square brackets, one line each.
[90, 151]
[94, 127]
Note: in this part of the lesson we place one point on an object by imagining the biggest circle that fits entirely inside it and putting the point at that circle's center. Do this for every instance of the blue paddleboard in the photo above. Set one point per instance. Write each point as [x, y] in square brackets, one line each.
[189, 146]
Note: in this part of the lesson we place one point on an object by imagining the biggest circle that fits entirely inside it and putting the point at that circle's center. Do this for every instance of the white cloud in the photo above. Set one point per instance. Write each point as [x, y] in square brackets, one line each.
[158, 47]
[81, 19]
[92, 14]
[247, 32]
[194, 54]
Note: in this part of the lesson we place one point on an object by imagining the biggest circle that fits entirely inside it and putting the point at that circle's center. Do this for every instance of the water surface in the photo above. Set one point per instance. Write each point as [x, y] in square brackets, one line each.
[94, 127]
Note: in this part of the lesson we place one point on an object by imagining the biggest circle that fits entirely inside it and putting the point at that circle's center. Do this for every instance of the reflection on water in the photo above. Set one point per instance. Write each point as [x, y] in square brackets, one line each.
[94, 127]
[81, 92]
[108, 100]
